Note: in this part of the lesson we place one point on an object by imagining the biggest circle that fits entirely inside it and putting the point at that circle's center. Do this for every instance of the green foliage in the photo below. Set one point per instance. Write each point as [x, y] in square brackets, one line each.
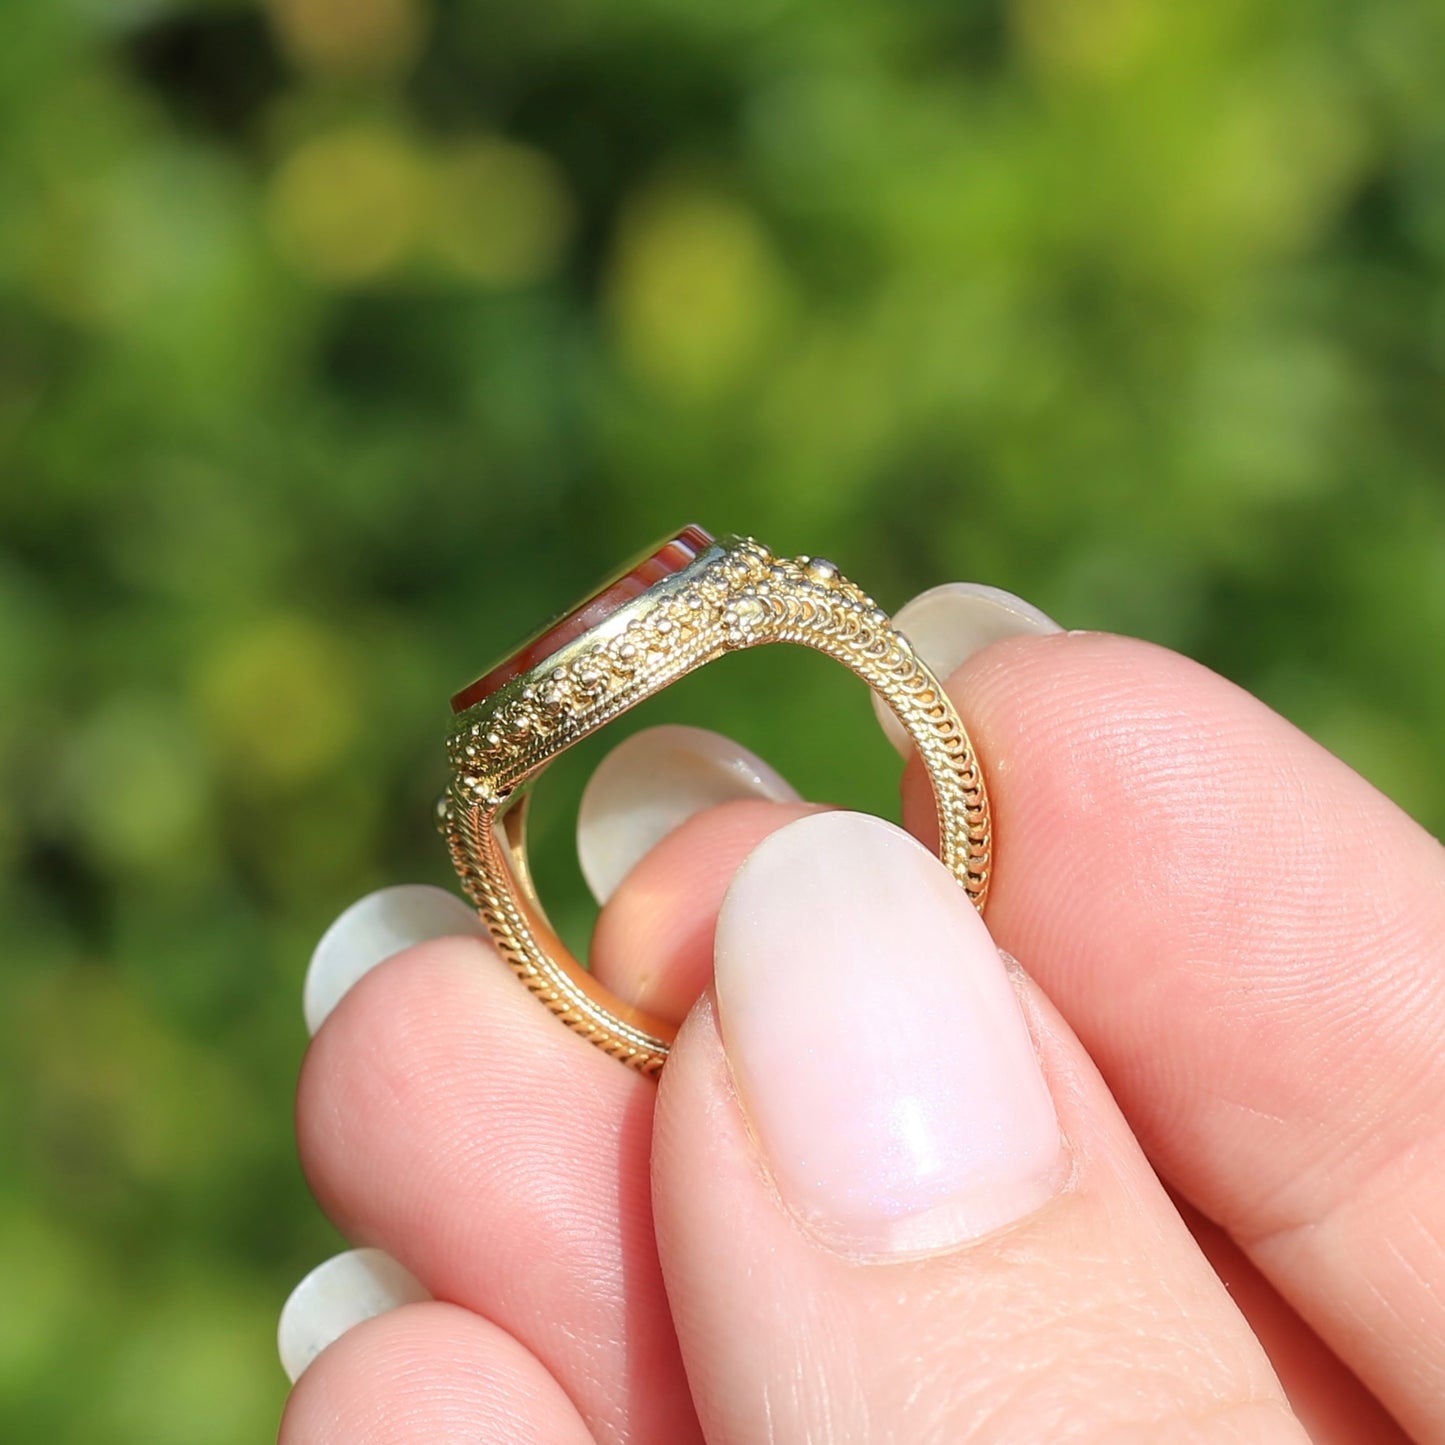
[341, 342]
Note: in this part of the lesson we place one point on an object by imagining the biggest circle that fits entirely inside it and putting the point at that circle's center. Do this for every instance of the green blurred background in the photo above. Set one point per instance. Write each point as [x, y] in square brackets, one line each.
[343, 340]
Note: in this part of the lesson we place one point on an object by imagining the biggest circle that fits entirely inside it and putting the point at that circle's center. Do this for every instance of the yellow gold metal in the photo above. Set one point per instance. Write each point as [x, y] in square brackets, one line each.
[735, 595]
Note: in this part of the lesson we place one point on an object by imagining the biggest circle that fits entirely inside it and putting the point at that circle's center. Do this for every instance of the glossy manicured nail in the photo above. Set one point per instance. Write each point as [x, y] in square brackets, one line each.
[336, 1295]
[948, 624]
[374, 928]
[654, 782]
[877, 1042]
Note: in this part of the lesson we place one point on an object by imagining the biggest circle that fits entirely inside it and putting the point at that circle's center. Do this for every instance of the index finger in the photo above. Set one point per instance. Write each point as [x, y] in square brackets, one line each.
[1246, 937]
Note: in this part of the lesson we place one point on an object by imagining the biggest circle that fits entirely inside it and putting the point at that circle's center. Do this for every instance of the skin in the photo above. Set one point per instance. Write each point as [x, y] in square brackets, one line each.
[1233, 948]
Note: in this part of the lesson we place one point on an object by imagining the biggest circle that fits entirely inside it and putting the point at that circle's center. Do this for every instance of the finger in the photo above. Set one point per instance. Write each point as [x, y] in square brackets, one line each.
[427, 1373]
[653, 940]
[336, 1296]
[446, 1117]
[947, 626]
[1246, 938]
[1329, 1400]
[652, 783]
[893, 1243]
[370, 931]
[712, 801]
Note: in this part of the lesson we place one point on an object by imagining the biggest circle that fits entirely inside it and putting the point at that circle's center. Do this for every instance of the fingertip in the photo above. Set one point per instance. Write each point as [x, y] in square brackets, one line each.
[652, 783]
[949, 624]
[336, 1296]
[653, 943]
[429, 1372]
[373, 929]
[895, 1089]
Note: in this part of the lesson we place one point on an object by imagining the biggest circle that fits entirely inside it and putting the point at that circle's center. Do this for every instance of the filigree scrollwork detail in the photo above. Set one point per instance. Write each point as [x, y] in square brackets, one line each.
[741, 597]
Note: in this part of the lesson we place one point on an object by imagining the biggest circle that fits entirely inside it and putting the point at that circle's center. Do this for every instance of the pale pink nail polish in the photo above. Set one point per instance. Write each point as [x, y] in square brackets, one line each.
[877, 1042]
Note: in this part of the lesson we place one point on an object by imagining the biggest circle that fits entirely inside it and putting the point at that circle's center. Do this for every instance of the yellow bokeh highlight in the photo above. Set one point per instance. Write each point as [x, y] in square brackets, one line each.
[502, 213]
[1087, 39]
[280, 702]
[350, 37]
[1272, 168]
[348, 205]
[695, 291]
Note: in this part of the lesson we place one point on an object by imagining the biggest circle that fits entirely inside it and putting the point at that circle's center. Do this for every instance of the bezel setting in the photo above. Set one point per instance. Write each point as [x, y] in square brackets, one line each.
[670, 556]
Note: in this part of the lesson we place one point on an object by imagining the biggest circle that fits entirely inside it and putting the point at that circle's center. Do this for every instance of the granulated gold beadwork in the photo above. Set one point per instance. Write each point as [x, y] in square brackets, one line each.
[735, 595]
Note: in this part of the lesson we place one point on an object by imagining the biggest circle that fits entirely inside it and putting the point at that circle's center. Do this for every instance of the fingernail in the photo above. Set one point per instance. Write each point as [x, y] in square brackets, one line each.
[654, 782]
[336, 1295]
[877, 1043]
[948, 624]
[374, 928]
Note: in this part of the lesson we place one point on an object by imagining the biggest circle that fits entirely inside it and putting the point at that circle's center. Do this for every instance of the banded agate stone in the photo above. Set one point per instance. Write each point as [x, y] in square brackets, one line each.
[664, 560]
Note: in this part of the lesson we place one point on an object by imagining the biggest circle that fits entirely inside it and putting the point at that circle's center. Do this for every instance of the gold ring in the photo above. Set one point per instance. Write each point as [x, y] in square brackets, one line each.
[688, 601]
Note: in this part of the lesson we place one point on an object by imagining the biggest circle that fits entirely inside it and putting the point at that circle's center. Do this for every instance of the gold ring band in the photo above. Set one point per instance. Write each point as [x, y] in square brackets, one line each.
[709, 598]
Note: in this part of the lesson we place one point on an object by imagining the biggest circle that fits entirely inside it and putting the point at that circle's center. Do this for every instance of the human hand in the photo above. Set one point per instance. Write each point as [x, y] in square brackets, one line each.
[889, 1189]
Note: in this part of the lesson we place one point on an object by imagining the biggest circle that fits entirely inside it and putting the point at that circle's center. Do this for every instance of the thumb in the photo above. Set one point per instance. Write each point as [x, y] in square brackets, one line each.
[895, 1203]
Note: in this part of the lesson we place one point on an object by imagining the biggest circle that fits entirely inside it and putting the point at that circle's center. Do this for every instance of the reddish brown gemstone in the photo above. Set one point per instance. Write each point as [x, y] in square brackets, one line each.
[662, 561]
